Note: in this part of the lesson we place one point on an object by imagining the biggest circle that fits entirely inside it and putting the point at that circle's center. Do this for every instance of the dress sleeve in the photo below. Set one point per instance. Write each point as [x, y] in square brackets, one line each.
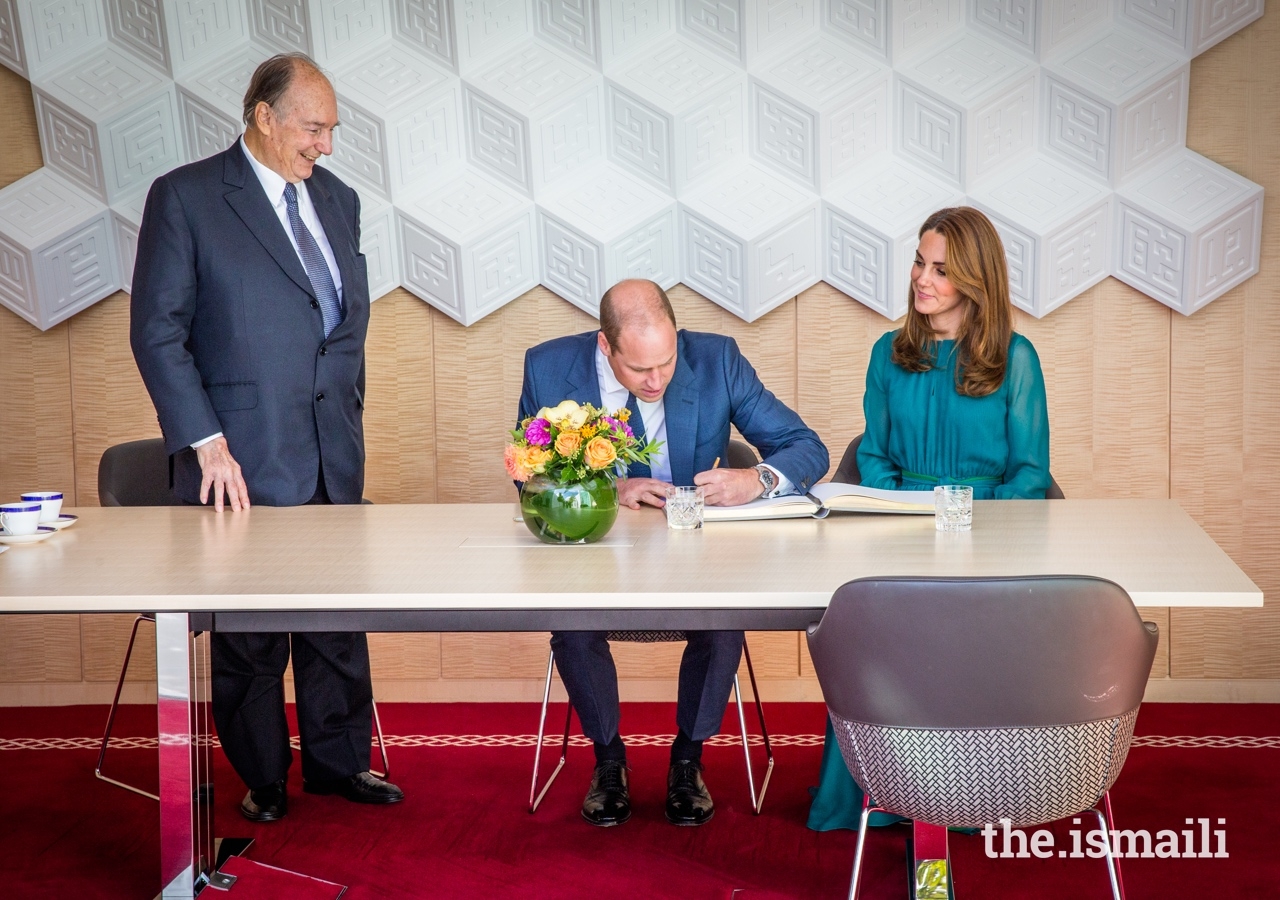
[877, 469]
[1026, 475]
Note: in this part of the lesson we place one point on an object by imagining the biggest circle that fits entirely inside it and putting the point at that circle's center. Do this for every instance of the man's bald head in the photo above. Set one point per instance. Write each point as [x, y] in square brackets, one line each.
[638, 337]
[634, 305]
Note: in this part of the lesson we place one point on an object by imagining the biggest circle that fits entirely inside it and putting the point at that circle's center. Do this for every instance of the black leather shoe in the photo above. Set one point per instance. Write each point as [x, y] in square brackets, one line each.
[361, 787]
[608, 802]
[688, 800]
[265, 804]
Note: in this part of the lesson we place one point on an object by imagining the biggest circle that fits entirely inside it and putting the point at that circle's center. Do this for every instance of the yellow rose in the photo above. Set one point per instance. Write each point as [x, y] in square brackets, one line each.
[599, 453]
[536, 458]
[566, 415]
[568, 442]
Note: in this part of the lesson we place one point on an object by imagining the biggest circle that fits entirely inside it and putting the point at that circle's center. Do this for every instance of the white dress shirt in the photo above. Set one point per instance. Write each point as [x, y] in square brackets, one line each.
[273, 184]
[613, 396]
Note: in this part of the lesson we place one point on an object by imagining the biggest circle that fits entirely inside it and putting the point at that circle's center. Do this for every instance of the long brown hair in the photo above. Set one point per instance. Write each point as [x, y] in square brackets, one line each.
[977, 269]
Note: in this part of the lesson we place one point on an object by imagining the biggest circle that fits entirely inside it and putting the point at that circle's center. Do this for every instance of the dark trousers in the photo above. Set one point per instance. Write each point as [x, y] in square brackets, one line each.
[334, 698]
[591, 680]
[335, 703]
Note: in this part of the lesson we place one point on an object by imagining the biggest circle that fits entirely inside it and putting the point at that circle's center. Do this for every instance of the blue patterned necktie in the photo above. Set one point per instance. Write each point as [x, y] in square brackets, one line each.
[637, 470]
[313, 262]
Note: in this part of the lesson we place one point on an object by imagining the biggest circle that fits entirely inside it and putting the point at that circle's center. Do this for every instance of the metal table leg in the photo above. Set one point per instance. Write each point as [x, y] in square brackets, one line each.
[186, 775]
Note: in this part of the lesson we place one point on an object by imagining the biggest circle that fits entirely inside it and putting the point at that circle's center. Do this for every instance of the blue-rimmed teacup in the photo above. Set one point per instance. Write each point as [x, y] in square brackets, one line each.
[50, 502]
[20, 517]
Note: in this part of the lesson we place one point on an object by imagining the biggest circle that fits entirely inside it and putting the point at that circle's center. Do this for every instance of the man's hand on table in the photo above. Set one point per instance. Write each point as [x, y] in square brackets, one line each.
[632, 492]
[221, 472]
[729, 487]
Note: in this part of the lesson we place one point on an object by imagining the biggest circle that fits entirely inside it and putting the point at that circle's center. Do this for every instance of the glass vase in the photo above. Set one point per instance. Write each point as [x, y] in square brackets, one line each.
[579, 513]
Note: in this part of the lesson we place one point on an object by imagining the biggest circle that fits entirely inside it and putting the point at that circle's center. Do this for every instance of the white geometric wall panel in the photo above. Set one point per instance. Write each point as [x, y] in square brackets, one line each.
[744, 147]
[611, 226]
[870, 223]
[750, 241]
[675, 114]
[1056, 230]
[56, 244]
[1116, 104]
[468, 248]
[967, 110]
[1189, 231]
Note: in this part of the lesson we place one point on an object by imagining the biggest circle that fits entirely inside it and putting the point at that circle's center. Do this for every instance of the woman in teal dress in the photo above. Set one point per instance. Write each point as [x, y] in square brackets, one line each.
[953, 397]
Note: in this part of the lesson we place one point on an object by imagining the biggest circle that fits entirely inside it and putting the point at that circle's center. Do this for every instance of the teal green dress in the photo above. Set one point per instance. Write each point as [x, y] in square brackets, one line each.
[921, 433]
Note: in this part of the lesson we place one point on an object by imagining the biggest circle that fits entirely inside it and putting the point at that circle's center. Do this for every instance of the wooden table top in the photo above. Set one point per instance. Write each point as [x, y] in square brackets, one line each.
[472, 557]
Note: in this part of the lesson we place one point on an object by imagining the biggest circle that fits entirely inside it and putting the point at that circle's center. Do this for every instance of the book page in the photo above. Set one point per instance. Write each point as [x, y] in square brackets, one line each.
[789, 507]
[856, 498]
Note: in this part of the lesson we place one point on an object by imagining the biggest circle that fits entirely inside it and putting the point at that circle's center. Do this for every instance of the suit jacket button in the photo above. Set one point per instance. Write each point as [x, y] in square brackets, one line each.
[324, 351]
[315, 304]
[319, 398]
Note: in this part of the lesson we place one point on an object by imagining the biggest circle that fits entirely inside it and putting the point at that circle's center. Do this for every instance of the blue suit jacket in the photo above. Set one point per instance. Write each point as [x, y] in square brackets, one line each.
[229, 337]
[713, 387]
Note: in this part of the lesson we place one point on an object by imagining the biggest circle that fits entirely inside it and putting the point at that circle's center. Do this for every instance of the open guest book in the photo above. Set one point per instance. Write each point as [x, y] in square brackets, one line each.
[822, 499]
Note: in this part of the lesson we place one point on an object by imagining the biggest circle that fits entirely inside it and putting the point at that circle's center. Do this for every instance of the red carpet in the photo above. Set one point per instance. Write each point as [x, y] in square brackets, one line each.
[464, 832]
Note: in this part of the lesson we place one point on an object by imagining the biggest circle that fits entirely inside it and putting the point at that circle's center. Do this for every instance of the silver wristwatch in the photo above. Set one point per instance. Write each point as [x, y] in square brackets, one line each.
[767, 478]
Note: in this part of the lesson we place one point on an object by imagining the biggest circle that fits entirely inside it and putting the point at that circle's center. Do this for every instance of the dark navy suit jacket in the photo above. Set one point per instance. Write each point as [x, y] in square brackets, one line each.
[229, 337]
[713, 387]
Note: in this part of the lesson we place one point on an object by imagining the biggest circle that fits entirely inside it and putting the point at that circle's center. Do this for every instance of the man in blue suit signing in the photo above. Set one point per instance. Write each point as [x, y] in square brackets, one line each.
[684, 390]
[248, 320]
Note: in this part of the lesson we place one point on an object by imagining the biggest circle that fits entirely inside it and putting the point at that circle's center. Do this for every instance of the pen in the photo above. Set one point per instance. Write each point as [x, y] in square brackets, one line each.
[716, 464]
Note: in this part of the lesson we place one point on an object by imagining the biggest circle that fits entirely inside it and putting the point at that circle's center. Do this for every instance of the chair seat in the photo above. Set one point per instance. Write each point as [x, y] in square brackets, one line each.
[646, 637]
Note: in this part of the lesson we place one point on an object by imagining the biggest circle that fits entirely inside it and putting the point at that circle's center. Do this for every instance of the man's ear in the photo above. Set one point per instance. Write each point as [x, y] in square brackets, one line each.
[604, 343]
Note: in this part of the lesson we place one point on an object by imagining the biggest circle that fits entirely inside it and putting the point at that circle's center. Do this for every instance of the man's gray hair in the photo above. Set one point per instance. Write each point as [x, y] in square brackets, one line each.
[272, 78]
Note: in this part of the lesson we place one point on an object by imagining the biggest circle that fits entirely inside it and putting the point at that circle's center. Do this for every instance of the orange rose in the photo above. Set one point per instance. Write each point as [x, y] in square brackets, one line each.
[599, 453]
[515, 462]
[568, 443]
[536, 459]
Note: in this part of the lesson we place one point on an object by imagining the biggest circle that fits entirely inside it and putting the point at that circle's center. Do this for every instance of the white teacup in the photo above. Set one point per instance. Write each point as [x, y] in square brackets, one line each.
[51, 501]
[20, 517]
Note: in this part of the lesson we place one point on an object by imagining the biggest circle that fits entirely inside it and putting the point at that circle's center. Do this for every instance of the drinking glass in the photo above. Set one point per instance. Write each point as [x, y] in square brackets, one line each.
[684, 508]
[953, 507]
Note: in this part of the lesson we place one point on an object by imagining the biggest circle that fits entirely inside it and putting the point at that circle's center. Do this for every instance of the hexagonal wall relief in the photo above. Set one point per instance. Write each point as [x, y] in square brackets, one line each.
[746, 148]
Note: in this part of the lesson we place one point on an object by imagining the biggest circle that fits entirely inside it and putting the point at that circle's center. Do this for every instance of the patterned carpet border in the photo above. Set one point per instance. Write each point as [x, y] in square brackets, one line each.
[1182, 742]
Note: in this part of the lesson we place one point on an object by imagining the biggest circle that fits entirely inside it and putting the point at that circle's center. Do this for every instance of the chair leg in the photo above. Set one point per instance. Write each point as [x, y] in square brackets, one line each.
[867, 810]
[382, 746]
[1107, 824]
[535, 797]
[115, 705]
[764, 730]
[746, 745]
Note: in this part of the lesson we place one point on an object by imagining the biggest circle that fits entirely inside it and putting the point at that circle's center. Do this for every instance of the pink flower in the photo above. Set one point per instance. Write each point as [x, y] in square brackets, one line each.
[538, 432]
[621, 427]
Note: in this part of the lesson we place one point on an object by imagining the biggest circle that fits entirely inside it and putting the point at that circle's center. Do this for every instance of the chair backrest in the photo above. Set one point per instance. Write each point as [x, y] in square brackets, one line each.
[135, 474]
[739, 455]
[962, 702]
[847, 472]
[982, 653]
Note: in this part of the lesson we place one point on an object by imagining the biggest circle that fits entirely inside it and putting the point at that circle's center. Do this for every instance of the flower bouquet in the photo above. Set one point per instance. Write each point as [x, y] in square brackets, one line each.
[567, 458]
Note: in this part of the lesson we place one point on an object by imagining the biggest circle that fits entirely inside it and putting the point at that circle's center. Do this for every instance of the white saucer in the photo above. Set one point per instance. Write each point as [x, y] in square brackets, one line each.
[44, 532]
[61, 522]
[4, 549]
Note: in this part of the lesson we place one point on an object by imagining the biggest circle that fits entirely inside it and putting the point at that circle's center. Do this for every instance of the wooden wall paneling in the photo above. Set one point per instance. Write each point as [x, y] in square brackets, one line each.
[478, 373]
[19, 139]
[399, 414]
[39, 648]
[103, 640]
[494, 655]
[35, 410]
[835, 335]
[1225, 409]
[775, 654]
[404, 657]
[110, 404]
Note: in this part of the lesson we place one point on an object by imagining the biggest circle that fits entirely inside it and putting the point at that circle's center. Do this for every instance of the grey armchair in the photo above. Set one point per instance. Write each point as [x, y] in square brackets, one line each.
[961, 702]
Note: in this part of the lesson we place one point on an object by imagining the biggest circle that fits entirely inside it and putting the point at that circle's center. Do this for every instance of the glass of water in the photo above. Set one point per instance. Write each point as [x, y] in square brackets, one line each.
[953, 507]
[684, 507]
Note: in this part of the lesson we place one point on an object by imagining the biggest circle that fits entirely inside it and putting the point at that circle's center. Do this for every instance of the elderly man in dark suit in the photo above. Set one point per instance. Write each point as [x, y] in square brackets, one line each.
[249, 312]
[685, 389]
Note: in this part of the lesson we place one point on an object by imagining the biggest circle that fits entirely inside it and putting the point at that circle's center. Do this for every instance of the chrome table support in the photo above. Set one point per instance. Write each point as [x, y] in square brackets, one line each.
[185, 731]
